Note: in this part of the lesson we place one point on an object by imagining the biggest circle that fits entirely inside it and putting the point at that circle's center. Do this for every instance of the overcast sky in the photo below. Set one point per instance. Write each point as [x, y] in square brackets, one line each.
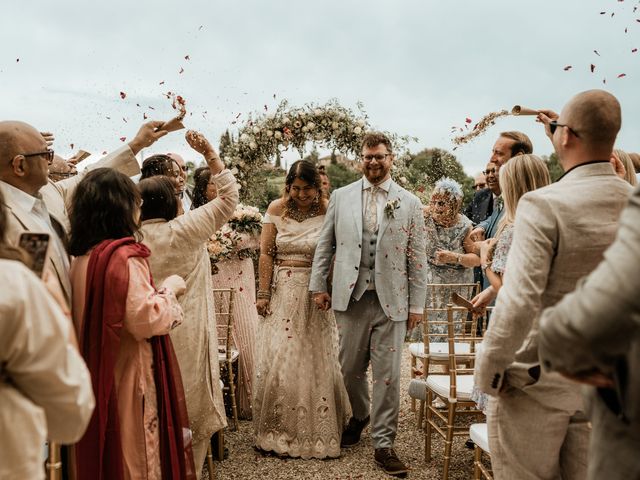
[419, 66]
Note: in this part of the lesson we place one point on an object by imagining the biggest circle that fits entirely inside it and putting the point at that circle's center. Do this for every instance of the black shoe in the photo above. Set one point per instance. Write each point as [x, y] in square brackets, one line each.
[351, 434]
[390, 463]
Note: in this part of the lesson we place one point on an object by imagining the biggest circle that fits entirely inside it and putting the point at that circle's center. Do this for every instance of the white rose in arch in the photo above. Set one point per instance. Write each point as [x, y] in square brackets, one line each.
[317, 111]
[226, 159]
[234, 171]
[305, 129]
[256, 130]
[269, 133]
[278, 135]
[311, 125]
[335, 125]
[357, 130]
[245, 138]
[253, 145]
[286, 120]
[360, 122]
[403, 179]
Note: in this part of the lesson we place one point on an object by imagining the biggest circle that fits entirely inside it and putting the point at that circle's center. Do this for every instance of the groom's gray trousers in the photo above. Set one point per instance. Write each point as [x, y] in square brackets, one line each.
[367, 335]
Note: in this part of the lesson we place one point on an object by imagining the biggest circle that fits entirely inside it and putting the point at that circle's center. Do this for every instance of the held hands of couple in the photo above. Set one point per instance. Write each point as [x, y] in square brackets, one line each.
[322, 301]
[262, 306]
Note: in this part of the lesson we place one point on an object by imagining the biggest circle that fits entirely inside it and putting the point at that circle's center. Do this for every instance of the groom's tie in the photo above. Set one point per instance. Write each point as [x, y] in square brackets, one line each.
[371, 212]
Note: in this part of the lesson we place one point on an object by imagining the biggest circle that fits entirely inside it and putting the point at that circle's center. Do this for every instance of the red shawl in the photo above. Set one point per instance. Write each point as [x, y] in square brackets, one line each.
[99, 452]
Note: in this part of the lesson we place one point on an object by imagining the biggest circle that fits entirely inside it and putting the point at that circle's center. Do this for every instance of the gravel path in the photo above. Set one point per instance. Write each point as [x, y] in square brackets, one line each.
[244, 463]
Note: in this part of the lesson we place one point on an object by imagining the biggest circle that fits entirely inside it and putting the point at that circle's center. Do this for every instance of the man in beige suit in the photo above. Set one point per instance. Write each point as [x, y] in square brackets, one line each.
[537, 429]
[35, 203]
[593, 336]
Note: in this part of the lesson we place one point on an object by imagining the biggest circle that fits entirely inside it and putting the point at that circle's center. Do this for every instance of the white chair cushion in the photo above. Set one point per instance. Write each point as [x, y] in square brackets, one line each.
[440, 385]
[480, 436]
[438, 350]
[418, 389]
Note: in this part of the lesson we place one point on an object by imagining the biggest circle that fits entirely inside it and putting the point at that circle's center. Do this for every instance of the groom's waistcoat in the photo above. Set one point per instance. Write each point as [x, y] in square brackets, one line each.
[367, 267]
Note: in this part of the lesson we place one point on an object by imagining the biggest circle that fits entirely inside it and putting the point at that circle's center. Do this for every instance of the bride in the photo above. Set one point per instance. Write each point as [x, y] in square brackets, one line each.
[300, 405]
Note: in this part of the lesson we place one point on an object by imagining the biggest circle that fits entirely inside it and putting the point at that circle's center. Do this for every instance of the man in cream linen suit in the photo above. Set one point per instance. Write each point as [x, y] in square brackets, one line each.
[36, 204]
[376, 230]
[593, 336]
[537, 428]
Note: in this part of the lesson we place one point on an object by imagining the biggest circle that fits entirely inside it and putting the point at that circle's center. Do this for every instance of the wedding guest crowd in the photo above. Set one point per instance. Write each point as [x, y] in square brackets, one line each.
[114, 350]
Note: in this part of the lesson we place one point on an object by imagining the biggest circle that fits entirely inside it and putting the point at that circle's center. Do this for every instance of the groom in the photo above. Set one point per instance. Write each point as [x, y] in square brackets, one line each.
[375, 229]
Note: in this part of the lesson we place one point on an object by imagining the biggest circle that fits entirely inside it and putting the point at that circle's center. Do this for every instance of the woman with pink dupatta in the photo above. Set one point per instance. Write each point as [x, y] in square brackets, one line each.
[140, 427]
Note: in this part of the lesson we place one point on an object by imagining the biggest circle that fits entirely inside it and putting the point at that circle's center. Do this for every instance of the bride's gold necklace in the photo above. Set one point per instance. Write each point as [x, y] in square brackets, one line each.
[291, 211]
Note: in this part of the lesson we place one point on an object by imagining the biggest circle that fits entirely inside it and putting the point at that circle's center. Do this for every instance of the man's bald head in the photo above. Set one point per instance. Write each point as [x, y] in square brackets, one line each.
[596, 117]
[19, 140]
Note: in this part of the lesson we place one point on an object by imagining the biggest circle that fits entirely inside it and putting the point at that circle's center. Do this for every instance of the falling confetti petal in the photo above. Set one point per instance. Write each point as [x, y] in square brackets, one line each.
[634, 50]
[604, 80]
[144, 116]
[71, 145]
[602, 13]
[181, 70]
[187, 57]
[468, 120]
[596, 52]
[124, 120]
[567, 68]
[161, 83]
[122, 139]
[200, 27]
[123, 95]
[593, 67]
[17, 59]
[622, 75]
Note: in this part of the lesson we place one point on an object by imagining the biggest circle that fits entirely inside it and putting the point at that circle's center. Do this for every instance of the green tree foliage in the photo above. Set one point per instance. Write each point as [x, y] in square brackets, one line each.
[225, 141]
[553, 164]
[425, 168]
[341, 175]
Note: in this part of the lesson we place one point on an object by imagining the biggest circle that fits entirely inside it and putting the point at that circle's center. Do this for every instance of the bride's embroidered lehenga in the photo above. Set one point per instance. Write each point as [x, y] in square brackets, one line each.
[301, 405]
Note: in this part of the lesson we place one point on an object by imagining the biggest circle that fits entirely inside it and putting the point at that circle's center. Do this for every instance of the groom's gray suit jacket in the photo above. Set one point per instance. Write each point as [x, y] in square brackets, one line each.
[400, 276]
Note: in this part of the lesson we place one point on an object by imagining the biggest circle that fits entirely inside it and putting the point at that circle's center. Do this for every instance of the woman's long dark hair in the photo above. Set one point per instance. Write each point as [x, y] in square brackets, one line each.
[159, 164]
[201, 179]
[158, 198]
[102, 207]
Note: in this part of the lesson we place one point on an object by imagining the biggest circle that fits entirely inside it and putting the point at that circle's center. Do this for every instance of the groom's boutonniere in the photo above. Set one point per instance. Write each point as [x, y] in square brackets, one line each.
[391, 207]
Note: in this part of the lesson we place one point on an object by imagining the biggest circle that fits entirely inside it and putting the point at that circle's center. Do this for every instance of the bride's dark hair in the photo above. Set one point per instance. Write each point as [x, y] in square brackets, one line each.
[305, 171]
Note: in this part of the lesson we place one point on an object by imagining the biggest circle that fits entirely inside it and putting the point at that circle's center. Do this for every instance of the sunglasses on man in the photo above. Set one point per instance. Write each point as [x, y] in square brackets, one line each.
[553, 125]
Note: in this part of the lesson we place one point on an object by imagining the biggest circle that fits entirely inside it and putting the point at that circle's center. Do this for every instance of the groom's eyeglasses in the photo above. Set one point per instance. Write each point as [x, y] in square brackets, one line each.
[553, 125]
[378, 157]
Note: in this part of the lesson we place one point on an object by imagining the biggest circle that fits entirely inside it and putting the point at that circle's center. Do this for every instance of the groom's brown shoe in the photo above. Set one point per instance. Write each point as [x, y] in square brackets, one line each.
[390, 463]
[351, 434]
